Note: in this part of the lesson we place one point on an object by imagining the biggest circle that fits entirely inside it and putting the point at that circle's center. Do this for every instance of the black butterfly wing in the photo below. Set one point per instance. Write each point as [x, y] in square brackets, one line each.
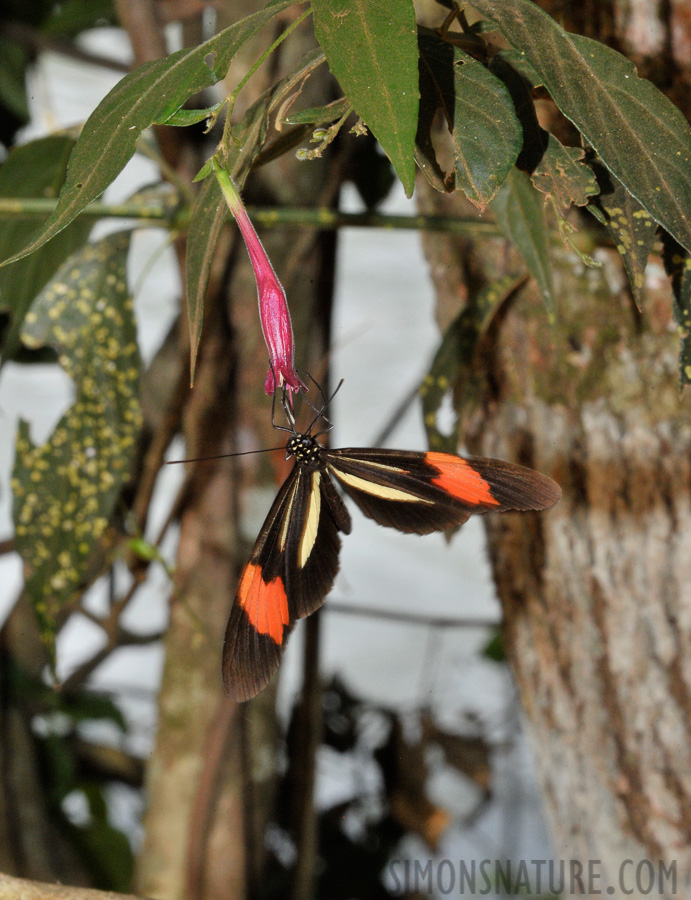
[291, 569]
[425, 492]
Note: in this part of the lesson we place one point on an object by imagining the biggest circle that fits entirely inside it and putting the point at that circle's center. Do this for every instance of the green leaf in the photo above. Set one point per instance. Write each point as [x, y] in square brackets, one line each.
[208, 217]
[678, 264]
[630, 225]
[320, 115]
[451, 371]
[494, 648]
[14, 60]
[36, 169]
[520, 215]
[184, 117]
[65, 490]
[562, 175]
[152, 93]
[107, 850]
[642, 138]
[479, 111]
[371, 48]
[69, 17]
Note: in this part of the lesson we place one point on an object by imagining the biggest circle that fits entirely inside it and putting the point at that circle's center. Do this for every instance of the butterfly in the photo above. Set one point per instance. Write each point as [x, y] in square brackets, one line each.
[295, 558]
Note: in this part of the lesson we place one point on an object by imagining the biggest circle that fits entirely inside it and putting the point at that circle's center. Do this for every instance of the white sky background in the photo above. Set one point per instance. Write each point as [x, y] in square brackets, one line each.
[384, 336]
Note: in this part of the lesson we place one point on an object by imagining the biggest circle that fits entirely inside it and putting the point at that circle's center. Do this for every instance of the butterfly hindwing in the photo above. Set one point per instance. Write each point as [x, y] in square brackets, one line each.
[425, 492]
[260, 618]
[291, 569]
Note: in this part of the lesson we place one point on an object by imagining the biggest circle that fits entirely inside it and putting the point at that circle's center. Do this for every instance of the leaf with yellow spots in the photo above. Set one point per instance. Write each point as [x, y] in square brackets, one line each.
[562, 174]
[451, 372]
[678, 265]
[65, 489]
[633, 229]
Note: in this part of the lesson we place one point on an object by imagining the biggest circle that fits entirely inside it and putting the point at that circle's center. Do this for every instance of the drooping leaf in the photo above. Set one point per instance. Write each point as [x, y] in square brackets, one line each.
[182, 118]
[678, 265]
[36, 169]
[152, 93]
[479, 111]
[520, 214]
[641, 137]
[563, 176]
[65, 489]
[451, 372]
[208, 216]
[321, 115]
[372, 50]
[631, 226]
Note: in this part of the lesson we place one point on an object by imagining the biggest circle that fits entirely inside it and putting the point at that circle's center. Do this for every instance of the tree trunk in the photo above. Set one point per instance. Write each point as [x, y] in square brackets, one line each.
[596, 598]
[213, 773]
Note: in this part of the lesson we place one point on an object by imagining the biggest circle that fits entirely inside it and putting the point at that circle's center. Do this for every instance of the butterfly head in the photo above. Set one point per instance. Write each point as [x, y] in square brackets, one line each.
[305, 448]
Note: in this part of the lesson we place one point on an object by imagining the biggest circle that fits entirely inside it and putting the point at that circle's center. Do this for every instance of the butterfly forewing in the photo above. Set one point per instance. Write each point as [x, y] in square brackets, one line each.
[424, 492]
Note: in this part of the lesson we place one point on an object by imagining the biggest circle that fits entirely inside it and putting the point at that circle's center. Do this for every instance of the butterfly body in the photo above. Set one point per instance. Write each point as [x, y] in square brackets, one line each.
[295, 558]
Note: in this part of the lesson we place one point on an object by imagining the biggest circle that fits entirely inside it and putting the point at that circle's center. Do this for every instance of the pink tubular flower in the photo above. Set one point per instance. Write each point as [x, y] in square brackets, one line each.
[273, 306]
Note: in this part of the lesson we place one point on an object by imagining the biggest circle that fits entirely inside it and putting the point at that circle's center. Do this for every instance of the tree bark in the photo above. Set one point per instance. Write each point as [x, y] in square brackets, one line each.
[595, 593]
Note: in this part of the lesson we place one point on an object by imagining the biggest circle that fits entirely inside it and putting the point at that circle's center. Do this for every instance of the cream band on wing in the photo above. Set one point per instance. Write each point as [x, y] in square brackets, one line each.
[377, 490]
[311, 526]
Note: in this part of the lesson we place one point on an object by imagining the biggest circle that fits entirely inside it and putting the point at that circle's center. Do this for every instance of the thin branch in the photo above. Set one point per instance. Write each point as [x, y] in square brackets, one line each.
[268, 217]
[114, 634]
[14, 208]
[354, 609]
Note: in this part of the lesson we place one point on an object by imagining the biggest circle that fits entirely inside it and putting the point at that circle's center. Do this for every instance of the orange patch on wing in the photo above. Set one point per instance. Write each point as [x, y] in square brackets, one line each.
[458, 478]
[265, 603]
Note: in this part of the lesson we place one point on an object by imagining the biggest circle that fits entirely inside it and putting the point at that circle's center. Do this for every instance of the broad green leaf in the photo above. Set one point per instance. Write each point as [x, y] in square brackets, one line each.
[65, 489]
[678, 264]
[479, 111]
[520, 215]
[641, 137]
[36, 169]
[631, 227]
[563, 176]
[372, 50]
[152, 93]
[452, 367]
